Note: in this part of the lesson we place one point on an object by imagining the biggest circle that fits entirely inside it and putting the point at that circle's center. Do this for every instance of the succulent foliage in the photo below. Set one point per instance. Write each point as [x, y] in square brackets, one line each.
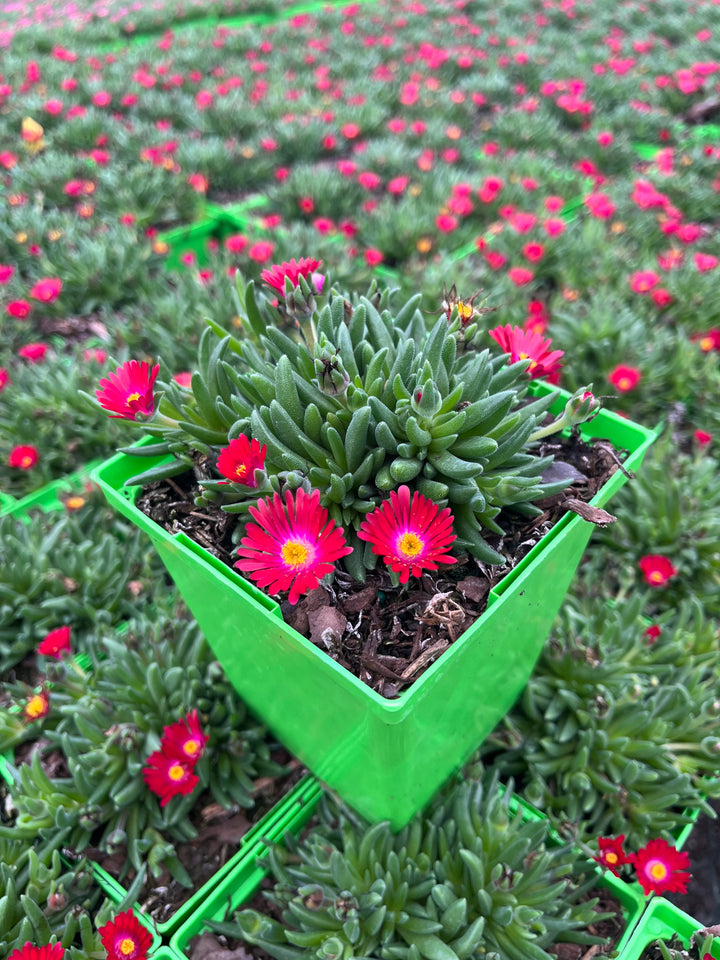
[470, 878]
[366, 401]
[614, 734]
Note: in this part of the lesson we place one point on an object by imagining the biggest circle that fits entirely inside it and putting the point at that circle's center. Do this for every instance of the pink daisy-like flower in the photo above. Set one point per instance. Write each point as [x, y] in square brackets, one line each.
[184, 740]
[411, 535]
[56, 643]
[526, 345]
[294, 269]
[240, 459]
[661, 868]
[28, 951]
[129, 390]
[292, 545]
[169, 776]
[125, 938]
[611, 853]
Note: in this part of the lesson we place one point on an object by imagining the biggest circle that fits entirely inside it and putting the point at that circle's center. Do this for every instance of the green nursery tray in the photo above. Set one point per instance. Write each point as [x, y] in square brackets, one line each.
[661, 921]
[6, 502]
[49, 498]
[291, 809]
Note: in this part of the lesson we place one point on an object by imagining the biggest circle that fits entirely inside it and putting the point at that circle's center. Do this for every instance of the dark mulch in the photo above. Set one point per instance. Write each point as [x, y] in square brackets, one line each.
[385, 635]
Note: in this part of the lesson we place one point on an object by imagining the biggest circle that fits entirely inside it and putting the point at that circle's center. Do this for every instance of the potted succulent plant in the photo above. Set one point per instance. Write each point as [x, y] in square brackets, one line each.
[348, 443]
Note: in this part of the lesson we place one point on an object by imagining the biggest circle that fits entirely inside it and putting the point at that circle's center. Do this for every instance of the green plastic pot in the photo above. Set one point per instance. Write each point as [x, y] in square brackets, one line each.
[286, 812]
[662, 920]
[240, 886]
[193, 238]
[49, 498]
[384, 757]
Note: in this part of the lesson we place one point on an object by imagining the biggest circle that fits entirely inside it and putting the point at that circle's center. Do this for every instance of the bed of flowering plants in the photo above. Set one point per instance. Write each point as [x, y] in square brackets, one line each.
[546, 177]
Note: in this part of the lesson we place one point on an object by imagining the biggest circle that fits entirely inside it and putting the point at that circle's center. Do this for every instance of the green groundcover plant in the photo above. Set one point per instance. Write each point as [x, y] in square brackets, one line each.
[137, 737]
[468, 877]
[618, 730]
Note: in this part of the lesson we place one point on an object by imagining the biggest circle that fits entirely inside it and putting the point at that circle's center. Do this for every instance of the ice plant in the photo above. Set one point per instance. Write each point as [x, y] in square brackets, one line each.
[353, 402]
[184, 740]
[125, 938]
[526, 345]
[657, 569]
[37, 706]
[23, 457]
[611, 853]
[292, 545]
[624, 378]
[242, 461]
[661, 868]
[54, 951]
[411, 535]
[277, 275]
[47, 290]
[168, 776]
[129, 390]
[56, 643]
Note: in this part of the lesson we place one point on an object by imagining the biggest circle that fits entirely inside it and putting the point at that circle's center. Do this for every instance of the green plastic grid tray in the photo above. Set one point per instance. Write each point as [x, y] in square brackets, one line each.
[661, 921]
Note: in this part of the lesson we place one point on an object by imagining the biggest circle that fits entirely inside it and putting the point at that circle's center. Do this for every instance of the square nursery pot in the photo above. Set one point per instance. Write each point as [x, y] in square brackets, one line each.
[384, 757]
[240, 886]
[293, 808]
[662, 921]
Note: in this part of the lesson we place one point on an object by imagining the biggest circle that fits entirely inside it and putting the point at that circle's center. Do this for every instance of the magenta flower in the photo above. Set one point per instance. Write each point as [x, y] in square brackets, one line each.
[129, 390]
[526, 345]
[292, 270]
[410, 535]
[240, 459]
[292, 545]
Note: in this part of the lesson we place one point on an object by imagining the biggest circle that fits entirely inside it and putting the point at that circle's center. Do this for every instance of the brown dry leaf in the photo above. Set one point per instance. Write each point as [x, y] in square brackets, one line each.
[327, 626]
[208, 947]
[473, 588]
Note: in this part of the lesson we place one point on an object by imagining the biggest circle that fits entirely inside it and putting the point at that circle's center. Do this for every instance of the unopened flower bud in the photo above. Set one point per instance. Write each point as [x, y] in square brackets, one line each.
[581, 406]
[57, 900]
[116, 840]
[332, 377]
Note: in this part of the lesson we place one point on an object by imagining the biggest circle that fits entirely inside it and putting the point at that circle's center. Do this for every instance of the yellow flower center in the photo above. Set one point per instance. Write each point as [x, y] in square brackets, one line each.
[26, 461]
[191, 747]
[655, 577]
[131, 397]
[424, 245]
[160, 247]
[127, 946]
[657, 870]
[294, 553]
[176, 771]
[410, 545]
[35, 707]
[74, 503]
[241, 471]
[706, 344]
[611, 857]
[526, 356]
[624, 383]
[465, 310]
